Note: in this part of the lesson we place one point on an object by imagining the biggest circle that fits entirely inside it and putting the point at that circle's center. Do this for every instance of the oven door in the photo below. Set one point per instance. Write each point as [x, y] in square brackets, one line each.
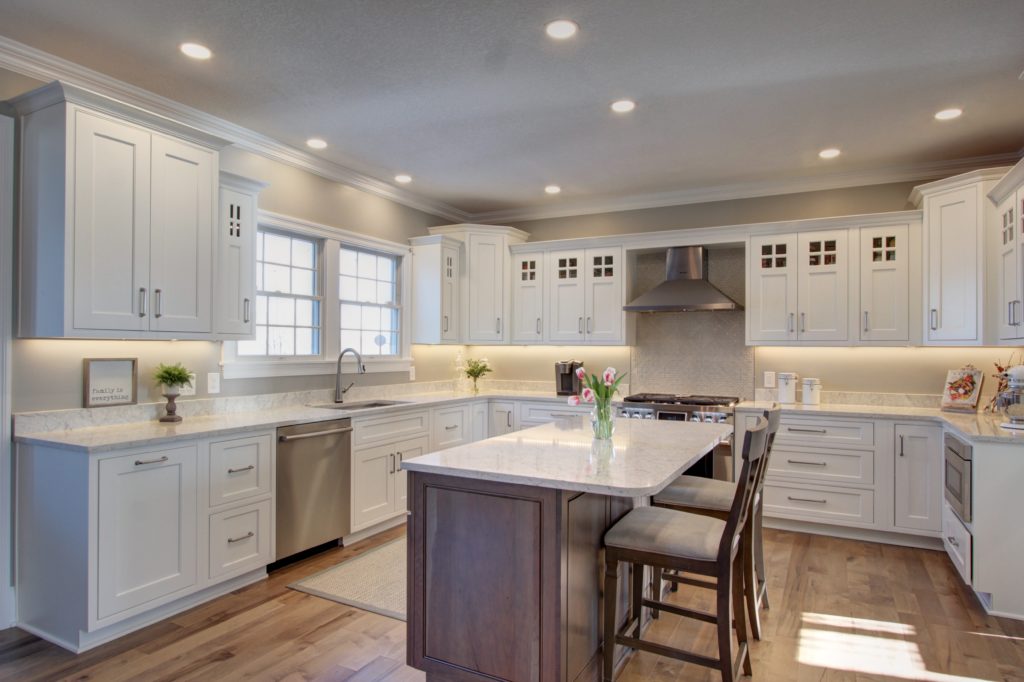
[958, 484]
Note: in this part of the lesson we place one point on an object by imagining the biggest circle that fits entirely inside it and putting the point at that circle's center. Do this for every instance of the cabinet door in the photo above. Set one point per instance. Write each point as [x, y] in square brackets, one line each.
[450, 426]
[528, 298]
[408, 449]
[480, 418]
[487, 255]
[771, 310]
[918, 477]
[822, 293]
[236, 259]
[373, 488]
[603, 278]
[884, 284]
[502, 418]
[566, 297]
[181, 272]
[954, 247]
[1008, 263]
[146, 528]
[112, 224]
[450, 269]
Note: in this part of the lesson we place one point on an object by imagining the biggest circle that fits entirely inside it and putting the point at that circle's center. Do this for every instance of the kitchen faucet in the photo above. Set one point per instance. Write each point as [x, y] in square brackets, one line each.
[339, 392]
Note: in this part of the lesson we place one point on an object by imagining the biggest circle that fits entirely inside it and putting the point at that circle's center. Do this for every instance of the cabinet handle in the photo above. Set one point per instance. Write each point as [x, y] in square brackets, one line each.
[865, 320]
[803, 322]
[801, 461]
[1009, 313]
[901, 446]
[579, 325]
[451, 427]
[392, 456]
[400, 459]
[952, 540]
[241, 469]
[793, 429]
[245, 310]
[157, 303]
[791, 316]
[538, 326]
[241, 537]
[445, 327]
[314, 434]
[933, 317]
[590, 326]
[142, 301]
[1016, 313]
[806, 499]
[144, 462]
[508, 419]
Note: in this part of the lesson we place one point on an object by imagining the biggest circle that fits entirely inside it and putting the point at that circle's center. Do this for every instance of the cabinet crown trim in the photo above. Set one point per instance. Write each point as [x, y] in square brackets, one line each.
[1010, 182]
[918, 194]
[242, 183]
[468, 228]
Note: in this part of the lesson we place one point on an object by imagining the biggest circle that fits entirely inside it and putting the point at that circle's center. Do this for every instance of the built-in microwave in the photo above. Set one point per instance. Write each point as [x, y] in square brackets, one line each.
[958, 456]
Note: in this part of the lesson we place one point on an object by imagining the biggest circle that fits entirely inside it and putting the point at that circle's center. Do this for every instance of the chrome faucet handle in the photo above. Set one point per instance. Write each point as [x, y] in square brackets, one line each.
[345, 390]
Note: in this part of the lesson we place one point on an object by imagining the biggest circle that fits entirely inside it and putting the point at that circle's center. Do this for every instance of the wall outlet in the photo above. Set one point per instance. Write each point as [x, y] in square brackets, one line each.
[412, 372]
[213, 382]
[769, 379]
[190, 390]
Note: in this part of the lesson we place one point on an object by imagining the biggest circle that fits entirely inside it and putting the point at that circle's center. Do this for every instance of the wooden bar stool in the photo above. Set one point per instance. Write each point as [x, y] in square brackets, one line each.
[671, 540]
[709, 497]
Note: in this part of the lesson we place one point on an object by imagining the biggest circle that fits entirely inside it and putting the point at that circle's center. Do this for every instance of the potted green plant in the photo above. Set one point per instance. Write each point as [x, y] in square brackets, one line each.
[475, 369]
[172, 378]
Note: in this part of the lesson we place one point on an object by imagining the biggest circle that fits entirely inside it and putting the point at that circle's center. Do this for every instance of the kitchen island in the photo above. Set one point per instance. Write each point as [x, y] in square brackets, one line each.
[505, 541]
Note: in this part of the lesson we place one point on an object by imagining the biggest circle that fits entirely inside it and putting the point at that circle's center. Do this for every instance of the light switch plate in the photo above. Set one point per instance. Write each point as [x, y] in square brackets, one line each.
[769, 379]
[213, 382]
[190, 390]
[412, 372]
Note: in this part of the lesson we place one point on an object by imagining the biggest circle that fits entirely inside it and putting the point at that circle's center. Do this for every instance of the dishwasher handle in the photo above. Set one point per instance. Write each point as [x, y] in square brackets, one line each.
[313, 434]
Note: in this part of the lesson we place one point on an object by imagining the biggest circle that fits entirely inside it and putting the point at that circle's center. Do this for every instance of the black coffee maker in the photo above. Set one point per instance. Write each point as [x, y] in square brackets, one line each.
[566, 381]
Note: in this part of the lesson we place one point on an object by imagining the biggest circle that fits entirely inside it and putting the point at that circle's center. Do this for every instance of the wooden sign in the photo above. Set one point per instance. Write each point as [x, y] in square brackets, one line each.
[110, 381]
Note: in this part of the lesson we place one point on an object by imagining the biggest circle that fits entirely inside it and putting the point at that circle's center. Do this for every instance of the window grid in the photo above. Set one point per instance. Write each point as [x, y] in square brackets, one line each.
[287, 320]
[369, 303]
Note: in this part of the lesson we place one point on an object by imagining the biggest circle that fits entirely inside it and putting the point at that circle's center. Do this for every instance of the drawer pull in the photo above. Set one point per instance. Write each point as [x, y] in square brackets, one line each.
[952, 541]
[806, 499]
[802, 461]
[241, 537]
[241, 469]
[793, 429]
[144, 462]
[451, 427]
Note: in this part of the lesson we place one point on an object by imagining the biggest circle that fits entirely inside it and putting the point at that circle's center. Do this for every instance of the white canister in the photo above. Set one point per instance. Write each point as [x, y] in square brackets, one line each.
[812, 391]
[787, 387]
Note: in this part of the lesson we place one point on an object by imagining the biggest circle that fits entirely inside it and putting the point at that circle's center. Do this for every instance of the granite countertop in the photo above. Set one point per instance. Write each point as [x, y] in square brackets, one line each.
[105, 438]
[978, 427]
[642, 458]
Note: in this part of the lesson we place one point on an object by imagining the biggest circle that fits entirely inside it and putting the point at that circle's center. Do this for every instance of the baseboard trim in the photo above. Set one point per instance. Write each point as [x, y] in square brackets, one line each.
[388, 524]
[850, 533]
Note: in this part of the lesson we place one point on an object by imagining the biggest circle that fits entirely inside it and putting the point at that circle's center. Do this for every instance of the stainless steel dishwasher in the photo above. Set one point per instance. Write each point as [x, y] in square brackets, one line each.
[314, 485]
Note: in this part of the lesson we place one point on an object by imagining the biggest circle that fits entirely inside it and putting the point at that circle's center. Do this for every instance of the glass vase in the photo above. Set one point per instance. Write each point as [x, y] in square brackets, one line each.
[601, 421]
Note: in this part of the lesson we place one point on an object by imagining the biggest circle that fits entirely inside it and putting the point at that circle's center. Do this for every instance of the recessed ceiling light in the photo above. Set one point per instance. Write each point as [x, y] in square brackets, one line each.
[829, 153]
[552, 189]
[560, 29]
[316, 143]
[403, 178]
[195, 50]
[949, 114]
[623, 106]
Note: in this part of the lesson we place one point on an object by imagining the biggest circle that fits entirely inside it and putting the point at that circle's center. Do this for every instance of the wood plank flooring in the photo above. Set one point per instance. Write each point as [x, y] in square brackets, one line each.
[842, 611]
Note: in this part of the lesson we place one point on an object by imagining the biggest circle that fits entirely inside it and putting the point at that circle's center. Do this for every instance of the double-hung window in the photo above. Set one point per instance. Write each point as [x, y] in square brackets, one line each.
[370, 310]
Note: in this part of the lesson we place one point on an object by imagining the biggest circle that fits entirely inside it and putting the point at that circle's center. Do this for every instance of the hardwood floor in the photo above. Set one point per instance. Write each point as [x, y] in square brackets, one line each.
[841, 611]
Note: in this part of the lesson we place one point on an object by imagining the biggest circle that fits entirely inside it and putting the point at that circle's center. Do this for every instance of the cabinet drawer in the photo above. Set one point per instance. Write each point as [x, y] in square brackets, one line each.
[240, 468]
[390, 428]
[542, 413]
[818, 503]
[811, 431]
[823, 465]
[240, 539]
[450, 426]
[958, 543]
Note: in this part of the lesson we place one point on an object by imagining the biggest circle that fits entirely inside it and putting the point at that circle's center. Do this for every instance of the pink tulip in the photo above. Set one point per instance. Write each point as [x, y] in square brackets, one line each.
[581, 373]
[609, 376]
[574, 400]
[588, 395]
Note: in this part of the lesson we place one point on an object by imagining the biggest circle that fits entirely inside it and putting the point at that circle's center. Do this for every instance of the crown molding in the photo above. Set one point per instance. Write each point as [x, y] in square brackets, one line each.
[918, 194]
[289, 223]
[1013, 179]
[749, 190]
[34, 63]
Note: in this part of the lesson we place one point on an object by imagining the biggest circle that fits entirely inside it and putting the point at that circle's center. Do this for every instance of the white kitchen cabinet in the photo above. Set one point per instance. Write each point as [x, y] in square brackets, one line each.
[378, 482]
[585, 296]
[235, 302]
[528, 298]
[146, 528]
[480, 414]
[503, 418]
[822, 286]
[436, 291]
[408, 449]
[884, 311]
[241, 539]
[450, 426]
[918, 477]
[118, 208]
[772, 298]
[1005, 232]
[487, 256]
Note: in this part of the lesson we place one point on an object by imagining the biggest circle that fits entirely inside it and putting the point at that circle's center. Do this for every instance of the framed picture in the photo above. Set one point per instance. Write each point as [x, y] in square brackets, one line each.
[110, 381]
[963, 388]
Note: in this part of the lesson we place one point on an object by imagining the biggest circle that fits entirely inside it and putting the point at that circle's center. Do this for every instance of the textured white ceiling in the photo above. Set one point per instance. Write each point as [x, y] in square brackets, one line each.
[473, 100]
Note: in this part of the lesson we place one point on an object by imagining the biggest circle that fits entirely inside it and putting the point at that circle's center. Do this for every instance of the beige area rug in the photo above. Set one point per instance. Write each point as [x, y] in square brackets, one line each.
[374, 581]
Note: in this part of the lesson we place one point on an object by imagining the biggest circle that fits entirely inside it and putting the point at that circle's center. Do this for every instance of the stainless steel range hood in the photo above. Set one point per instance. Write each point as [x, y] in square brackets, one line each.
[685, 288]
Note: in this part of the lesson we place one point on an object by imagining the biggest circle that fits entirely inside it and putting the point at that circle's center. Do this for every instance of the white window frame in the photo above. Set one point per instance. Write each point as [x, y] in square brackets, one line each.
[331, 239]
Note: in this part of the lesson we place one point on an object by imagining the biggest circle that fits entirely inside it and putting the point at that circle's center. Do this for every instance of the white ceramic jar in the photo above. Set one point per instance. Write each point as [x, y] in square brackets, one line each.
[812, 391]
[787, 387]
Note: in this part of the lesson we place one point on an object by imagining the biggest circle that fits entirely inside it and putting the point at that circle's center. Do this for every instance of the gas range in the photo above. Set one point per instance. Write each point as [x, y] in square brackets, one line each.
[667, 406]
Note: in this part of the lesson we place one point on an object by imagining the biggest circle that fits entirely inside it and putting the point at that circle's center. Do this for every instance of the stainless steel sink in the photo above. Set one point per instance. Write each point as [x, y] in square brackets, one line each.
[360, 405]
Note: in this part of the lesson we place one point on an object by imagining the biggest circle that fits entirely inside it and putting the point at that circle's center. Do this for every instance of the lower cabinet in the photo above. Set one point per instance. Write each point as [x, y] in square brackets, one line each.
[917, 477]
[241, 539]
[502, 418]
[450, 426]
[480, 411]
[378, 481]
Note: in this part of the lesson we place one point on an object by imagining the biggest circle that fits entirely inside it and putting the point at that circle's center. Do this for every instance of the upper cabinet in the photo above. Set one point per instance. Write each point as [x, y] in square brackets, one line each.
[488, 256]
[585, 296]
[772, 288]
[1004, 231]
[118, 209]
[236, 256]
[437, 274]
[884, 296]
[528, 276]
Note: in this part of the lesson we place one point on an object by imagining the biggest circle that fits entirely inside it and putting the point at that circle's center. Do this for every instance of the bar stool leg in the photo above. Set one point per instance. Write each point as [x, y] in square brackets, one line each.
[725, 591]
[636, 605]
[659, 586]
[611, 598]
[741, 618]
[749, 578]
[761, 586]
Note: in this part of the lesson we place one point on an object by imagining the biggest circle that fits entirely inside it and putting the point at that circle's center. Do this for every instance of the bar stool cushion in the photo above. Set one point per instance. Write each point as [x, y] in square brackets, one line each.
[698, 493]
[665, 531]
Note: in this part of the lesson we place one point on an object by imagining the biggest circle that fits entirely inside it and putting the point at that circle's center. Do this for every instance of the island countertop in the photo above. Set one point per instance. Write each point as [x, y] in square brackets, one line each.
[642, 458]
